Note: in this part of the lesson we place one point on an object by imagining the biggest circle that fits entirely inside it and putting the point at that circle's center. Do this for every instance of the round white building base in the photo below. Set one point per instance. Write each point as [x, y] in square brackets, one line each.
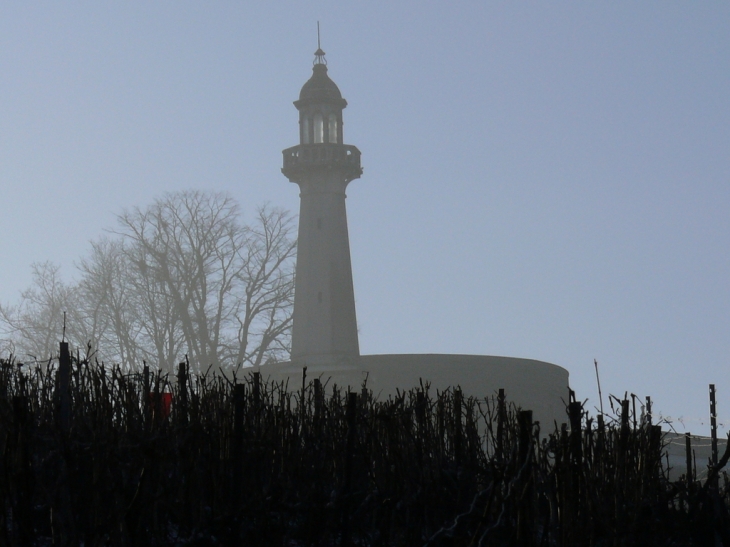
[532, 385]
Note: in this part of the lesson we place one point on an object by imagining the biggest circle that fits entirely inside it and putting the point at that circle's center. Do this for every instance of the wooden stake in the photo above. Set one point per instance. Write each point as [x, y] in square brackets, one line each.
[64, 394]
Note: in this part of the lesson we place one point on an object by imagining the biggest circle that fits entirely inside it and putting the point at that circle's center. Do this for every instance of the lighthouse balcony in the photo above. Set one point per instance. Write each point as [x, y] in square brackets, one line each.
[304, 158]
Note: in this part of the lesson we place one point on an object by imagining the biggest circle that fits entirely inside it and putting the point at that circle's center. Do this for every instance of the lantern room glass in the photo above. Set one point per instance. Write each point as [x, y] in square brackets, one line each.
[305, 131]
[318, 129]
[332, 128]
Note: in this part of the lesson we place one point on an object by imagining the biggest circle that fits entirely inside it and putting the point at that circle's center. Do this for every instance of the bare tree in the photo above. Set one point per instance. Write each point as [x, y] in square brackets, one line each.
[227, 286]
[261, 320]
[183, 276]
[110, 318]
[33, 327]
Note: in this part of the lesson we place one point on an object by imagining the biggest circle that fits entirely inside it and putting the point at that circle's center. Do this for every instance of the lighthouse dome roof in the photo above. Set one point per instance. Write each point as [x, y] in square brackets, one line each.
[320, 86]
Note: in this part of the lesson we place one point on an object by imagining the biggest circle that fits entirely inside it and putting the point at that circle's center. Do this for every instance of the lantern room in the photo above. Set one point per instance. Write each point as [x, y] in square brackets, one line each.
[320, 107]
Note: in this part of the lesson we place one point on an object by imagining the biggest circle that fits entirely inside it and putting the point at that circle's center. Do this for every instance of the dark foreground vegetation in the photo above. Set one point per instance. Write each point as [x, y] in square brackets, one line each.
[93, 456]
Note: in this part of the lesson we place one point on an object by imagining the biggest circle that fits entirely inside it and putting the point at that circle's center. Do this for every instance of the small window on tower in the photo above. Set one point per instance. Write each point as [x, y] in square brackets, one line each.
[319, 223]
[319, 297]
[332, 128]
[305, 131]
[318, 128]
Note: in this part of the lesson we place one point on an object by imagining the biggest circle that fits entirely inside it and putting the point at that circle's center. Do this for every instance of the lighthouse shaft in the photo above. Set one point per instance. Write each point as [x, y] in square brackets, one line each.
[325, 324]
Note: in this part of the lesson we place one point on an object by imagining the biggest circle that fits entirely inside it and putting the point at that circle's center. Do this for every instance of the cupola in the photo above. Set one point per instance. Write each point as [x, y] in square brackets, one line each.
[320, 106]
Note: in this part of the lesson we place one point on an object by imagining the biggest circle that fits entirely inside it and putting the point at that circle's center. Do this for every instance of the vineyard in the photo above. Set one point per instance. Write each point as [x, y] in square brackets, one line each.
[96, 456]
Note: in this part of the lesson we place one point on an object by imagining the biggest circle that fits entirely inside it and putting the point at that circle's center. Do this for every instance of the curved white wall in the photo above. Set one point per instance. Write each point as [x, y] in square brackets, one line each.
[533, 385]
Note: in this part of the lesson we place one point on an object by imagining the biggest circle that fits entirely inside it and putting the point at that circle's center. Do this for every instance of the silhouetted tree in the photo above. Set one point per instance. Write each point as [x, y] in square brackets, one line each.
[181, 276]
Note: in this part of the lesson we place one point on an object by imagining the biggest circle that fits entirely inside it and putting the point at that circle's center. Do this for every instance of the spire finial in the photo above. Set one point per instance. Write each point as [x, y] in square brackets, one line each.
[319, 54]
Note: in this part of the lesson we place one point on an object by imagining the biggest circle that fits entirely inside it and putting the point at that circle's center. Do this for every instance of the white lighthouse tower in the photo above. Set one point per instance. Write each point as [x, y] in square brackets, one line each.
[324, 331]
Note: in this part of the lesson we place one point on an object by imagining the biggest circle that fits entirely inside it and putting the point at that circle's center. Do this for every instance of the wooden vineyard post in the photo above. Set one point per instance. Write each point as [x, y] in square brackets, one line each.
[713, 430]
[440, 419]
[146, 414]
[364, 394]
[458, 433]
[21, 480]
[420, 417]
[64, 388]
[351, 417]
[501, 418]
[648, 410]
[575, 410]
[713, 423]
[525, 515]
[182, 387]
[624, 434]
[622, 456]
[655, 442]
[256, 392]
[239, 399]
[633, 413]
[156, 400]
[525, 439]
[66, 520]
[317, 403]
[688, 456]
[302, 399]
[598, 451]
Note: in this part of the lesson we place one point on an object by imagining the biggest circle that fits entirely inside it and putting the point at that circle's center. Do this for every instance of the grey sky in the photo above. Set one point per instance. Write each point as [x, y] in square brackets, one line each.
[542, 180]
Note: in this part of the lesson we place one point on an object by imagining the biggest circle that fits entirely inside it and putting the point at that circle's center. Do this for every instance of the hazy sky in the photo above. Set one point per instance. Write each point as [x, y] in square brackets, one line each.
[544, 180]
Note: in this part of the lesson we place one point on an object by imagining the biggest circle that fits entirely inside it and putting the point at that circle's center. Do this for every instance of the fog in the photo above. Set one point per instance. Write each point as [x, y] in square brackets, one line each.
[540, 181]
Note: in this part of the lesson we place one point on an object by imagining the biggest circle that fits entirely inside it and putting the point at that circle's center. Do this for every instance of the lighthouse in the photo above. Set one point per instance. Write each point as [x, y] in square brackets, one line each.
[324, 330]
